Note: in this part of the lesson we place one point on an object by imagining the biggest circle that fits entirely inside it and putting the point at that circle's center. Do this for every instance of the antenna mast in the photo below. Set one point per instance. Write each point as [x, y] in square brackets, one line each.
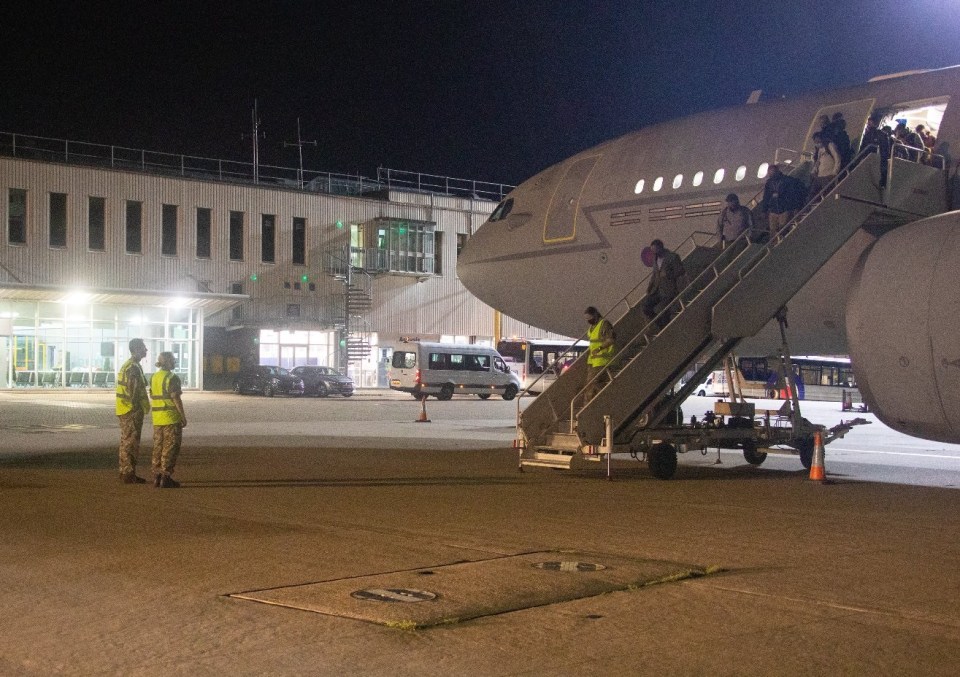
[300, 144]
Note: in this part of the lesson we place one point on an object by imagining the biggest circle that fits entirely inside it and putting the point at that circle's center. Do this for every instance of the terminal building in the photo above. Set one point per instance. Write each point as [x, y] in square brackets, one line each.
[226, 264]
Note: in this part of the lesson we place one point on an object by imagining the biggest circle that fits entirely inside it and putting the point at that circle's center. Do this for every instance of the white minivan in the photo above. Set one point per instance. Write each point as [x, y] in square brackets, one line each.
[446, 369]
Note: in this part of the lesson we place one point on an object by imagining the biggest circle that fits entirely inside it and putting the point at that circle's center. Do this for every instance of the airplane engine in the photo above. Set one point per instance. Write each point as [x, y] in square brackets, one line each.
[903, 328]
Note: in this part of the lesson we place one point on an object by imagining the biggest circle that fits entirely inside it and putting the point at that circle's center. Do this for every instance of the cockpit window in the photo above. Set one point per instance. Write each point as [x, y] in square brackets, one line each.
[502, 210]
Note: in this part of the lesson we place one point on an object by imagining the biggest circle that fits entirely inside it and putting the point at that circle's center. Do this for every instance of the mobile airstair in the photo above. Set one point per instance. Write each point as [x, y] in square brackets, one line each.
[733, 293]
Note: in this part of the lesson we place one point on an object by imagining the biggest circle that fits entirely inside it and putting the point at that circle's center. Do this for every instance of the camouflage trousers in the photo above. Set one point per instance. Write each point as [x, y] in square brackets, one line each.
[166, 447]
[131, 424]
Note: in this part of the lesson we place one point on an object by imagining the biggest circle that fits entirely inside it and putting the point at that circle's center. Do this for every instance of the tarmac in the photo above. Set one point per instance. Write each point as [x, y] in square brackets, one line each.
[338, 536]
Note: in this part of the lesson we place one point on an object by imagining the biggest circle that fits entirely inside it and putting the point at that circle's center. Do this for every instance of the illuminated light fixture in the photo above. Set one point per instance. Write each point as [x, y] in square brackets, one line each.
[677, 181]
[253, 277]
[76, 297]
[741, 172]
[178, 302]
[698, 178]
[718, 177]
[339, 223]
[763, 169]
[639, 187]
[658, 184]
[304, 278]
[9, 314]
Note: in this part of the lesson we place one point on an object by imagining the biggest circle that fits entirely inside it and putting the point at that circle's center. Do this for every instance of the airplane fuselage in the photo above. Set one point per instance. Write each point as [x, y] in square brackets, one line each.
[578, 228]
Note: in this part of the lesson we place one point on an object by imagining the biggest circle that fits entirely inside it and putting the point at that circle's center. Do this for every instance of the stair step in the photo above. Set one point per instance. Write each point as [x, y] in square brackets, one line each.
[563, 441]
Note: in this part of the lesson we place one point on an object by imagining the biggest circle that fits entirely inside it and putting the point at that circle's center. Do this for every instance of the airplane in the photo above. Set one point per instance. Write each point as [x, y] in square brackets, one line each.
[573, 235]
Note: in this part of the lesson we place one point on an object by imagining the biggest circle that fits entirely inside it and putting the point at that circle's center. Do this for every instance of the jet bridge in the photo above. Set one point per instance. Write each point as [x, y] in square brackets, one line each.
[733, 293]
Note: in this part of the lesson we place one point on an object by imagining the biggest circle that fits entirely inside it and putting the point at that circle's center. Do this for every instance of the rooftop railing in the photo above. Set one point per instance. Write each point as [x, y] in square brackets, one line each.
[212, 169]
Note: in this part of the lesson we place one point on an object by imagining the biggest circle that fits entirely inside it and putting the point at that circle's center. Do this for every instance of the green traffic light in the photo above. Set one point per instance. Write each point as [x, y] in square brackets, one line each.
[253, 277]
[339, 224]
[304, 278]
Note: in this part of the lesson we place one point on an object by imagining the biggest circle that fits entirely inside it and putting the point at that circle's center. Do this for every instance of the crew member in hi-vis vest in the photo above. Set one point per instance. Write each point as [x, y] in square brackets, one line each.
[601, 351]
[133, 404]
[169, 420]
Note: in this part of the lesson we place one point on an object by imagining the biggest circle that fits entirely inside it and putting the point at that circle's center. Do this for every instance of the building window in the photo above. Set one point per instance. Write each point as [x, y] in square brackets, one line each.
[461, 242]
[168, 232]
[236, 236]
[299, 257]
[293, 310]
[58, 219]
[203, 233]
[438, 253]
[97, 223]
[134, 227]
[403, 246]
[268, 238]
[237, 311]
[17, 216]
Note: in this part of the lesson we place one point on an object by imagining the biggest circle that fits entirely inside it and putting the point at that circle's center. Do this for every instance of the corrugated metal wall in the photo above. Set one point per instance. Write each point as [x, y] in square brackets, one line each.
[402, 305]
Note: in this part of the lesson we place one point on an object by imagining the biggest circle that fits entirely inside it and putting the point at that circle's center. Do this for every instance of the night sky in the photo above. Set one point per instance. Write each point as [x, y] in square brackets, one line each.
[492, 91]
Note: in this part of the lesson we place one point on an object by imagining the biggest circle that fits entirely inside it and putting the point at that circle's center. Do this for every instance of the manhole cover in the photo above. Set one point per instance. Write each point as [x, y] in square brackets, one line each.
[393, 595]
[569, 566]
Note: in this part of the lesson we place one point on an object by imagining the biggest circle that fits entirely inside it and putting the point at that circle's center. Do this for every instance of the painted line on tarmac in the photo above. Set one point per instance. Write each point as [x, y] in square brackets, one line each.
[893, 453]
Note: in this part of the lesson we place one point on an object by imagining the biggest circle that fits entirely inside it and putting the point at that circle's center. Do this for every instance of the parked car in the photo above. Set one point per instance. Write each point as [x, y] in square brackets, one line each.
[323, 381]
[269, 381]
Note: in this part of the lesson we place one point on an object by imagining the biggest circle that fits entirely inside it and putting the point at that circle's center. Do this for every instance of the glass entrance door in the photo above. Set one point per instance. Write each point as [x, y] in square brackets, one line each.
[292, 356]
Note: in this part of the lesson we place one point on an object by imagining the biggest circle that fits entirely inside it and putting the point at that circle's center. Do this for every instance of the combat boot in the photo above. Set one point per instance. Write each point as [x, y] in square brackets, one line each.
[132, 478]
[167, 482]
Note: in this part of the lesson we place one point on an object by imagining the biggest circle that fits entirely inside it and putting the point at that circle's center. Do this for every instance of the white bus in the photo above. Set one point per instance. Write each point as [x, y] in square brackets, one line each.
[447, 369]
[538, 362]
[818, 377]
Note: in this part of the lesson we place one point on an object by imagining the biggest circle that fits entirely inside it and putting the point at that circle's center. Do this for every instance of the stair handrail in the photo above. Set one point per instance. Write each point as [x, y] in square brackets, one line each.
[585, 337]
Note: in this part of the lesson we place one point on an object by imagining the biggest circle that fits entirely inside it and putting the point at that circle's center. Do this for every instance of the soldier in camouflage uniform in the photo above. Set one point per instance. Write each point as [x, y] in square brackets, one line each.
[132, 405]
[169, 420]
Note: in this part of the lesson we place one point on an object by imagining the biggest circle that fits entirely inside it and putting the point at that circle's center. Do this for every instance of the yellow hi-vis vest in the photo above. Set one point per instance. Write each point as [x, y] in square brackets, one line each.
[599, 357]
[164, 410]
[125, 402]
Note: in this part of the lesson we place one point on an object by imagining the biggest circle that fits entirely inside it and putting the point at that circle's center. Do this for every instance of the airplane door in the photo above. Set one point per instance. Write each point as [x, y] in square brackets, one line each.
[854, 112]
[560, 224]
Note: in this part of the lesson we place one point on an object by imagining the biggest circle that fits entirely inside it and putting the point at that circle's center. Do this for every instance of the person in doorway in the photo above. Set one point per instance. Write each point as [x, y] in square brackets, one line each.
[783, 196]
[601, 351]
[839, 136]
[664, 283]
[826, 163]
[874, 136]
[132, 405]
[733, 220]
[169, 420]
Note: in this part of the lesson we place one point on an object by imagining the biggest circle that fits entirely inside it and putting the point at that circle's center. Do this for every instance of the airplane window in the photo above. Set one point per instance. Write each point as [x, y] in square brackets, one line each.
[502, 210]
[718, 177]
[698, 178]
[741, 172]
[677, 181]
[658, 184]
[762, 171]
[639, 187]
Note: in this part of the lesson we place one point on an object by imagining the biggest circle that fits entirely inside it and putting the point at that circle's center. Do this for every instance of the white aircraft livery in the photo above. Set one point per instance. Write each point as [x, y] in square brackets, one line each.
[888, 294]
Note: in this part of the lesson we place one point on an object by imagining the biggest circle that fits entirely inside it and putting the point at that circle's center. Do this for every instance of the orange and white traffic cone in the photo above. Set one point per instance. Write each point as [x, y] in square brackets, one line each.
[423, 411]
[817, 472]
